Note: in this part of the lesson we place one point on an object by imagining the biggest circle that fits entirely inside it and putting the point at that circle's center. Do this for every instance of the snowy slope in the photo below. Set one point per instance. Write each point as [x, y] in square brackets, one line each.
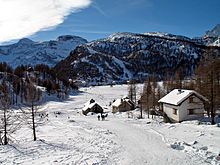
[167, 35]
[71, 138]
[123, 56]
[27, 51]
[216, 42]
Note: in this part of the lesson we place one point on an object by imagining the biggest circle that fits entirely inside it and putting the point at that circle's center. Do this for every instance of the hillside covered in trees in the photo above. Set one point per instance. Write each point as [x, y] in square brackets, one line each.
[124, 56]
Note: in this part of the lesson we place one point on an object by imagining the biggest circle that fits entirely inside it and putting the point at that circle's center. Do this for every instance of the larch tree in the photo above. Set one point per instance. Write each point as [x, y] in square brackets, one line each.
[19, 72]
[32, 98]
[132, 91]
[146, 96]
[208, 81]
[4, 107]
[154, 91]
[10, 120]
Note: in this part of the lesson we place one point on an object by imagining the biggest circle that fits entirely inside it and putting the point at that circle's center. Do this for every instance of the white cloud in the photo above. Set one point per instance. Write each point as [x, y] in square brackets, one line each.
[22, 18]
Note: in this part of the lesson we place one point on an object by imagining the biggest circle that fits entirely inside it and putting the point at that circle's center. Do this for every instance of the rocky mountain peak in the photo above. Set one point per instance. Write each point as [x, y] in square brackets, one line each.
[215, 32]
[70, 37]
[25, 41]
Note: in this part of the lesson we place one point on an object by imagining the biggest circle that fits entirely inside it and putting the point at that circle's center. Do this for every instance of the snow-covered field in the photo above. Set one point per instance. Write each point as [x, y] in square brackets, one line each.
[68, 137]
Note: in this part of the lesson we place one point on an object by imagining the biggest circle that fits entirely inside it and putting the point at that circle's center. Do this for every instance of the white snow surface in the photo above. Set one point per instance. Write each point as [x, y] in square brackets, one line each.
[175, 97]
[68, 137]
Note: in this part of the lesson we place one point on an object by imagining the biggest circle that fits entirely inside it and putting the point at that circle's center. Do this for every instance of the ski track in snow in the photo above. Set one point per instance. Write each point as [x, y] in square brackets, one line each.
[71, 138]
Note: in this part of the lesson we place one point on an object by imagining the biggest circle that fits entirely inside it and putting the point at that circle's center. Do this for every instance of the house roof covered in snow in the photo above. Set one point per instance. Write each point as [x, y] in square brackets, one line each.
[177, 96]
[89, 104]
[118, 102]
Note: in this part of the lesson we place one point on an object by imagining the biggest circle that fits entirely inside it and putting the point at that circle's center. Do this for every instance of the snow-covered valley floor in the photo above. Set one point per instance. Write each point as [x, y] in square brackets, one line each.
[69, 137]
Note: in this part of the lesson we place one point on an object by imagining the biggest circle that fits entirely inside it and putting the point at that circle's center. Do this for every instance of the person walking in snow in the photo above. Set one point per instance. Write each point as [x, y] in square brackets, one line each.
[98, 117]
[103, 117]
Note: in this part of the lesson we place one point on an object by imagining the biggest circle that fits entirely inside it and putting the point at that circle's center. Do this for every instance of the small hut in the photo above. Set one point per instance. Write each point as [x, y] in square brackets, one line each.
[92, 106]
[122, 105]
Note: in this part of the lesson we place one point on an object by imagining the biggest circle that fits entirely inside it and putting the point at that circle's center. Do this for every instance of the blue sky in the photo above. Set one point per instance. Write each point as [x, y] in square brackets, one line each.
[100, 18]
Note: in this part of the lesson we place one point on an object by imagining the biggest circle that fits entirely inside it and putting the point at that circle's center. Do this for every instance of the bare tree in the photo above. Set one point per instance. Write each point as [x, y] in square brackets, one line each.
[10, 120]
[16, 88]
[154, 91]
[208, 80]
[178, 78]
[5, 103]
[146, 96]
[32, 97]
[132, 91]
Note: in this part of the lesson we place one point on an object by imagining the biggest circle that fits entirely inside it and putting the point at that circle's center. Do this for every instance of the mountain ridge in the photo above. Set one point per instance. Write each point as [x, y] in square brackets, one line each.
[124, 56]
[26, 51]
[119, 57]
[215, 32]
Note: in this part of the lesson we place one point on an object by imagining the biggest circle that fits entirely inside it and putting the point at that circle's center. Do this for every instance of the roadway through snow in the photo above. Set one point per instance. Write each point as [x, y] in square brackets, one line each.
[138, 146]
[141, 146]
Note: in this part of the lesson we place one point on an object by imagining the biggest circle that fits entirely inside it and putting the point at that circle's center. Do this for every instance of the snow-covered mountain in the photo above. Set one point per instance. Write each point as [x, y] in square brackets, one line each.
[119, 57]
[167, 35]
[51, 52]
[123, 56]
[215, 32]
[212, 37]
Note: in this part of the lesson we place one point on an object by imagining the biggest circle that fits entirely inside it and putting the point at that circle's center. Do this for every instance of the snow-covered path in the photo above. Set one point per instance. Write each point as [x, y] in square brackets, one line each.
[143, 147]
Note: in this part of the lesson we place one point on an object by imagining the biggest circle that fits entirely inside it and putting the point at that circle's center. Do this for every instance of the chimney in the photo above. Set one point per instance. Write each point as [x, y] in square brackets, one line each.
[179, 91]
[92, 101]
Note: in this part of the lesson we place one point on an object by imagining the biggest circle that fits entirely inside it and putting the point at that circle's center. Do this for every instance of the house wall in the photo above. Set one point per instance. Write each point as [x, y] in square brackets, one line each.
[122, 108]
[168, 109]
[183, 110]
[197, 106]
[96, 108]
[114, 109]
